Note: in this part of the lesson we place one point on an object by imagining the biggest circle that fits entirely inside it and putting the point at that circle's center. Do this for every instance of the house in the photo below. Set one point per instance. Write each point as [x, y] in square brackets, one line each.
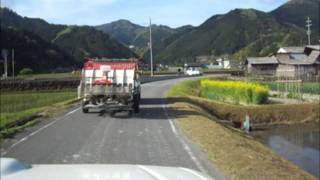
[220, 64]
[262, 65]
[298, 65]
[225, 64]
[293, 62]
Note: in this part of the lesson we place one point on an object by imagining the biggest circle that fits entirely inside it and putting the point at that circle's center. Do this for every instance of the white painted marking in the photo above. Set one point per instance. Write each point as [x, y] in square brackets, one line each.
[28, 136]
[72, 112]
[36, 132]
[3, 153]
[195, 173]
[152, 173]
[140, 133]
[185, 145]
[173, 127]
[75, 156]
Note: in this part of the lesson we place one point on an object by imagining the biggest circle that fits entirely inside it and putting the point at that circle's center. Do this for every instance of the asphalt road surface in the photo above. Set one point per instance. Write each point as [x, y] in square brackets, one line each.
[147, 138]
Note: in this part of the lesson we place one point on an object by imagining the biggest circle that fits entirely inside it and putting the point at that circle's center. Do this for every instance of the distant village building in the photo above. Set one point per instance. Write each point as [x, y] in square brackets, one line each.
[224, 63]
[219, 64]
[262, 65]
[295, 62]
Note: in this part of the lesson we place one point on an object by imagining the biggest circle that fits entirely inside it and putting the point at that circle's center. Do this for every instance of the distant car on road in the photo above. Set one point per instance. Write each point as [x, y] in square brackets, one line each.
[193, 71]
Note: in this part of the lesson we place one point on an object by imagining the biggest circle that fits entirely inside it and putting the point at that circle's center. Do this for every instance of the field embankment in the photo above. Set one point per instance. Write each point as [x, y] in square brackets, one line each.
[260, 115]
[239, 157]
[20, 108]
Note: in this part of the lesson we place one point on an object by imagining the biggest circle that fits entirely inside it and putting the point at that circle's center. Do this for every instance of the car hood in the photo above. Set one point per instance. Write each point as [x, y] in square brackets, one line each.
[12, 169]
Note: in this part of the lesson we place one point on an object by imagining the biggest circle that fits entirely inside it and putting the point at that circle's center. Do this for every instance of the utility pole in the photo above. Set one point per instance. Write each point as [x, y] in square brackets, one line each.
[309, 30]
[12, 63]
[4, 53]
[150, 44]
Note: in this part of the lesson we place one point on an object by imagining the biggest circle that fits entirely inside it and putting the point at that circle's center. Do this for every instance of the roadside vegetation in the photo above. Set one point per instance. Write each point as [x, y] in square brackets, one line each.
[20, 107]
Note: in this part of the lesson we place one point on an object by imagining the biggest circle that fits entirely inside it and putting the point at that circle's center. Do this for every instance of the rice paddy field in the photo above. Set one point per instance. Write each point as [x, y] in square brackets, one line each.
[49, 76]
[306, 87]
[20, 104]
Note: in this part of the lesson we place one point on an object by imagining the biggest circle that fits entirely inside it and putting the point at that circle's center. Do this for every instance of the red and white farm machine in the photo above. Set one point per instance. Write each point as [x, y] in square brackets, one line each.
[111, 84]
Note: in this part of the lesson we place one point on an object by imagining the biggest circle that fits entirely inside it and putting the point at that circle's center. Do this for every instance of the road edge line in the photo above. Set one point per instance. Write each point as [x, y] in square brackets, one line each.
[37, 131]
[182, 141]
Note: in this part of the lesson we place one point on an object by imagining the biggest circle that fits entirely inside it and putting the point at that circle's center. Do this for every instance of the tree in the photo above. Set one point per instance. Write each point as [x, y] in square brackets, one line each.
[26, 71]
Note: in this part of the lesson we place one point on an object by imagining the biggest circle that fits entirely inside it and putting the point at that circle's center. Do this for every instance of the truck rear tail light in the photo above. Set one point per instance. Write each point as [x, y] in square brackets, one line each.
[101, 82]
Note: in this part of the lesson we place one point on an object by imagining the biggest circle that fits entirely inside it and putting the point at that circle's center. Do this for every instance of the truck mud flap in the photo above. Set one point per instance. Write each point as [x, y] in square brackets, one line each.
[109, 107]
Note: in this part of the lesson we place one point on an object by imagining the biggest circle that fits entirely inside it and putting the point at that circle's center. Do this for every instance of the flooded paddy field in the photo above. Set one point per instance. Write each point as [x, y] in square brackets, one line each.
[296, 143]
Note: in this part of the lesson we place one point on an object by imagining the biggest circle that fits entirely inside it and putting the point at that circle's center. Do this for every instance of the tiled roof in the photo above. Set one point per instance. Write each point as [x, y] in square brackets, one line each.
[288, 58]
[292, 49]
[315, 47]
[300, 60]
[262, 60]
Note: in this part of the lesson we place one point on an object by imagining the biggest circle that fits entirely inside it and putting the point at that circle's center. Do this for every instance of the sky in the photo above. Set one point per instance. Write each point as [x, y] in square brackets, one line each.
[173, 13]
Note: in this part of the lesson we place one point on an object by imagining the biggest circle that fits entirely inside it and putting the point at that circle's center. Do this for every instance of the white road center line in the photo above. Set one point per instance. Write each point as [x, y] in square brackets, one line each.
[36, 132]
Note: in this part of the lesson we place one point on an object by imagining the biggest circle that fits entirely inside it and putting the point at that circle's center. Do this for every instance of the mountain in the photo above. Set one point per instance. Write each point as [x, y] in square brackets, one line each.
[31, 51]
[227, 34]
[123, 30]
[129, 34]
[160, 45]
[245, 32]
[297, 11]
[238, 33]
[78, 41]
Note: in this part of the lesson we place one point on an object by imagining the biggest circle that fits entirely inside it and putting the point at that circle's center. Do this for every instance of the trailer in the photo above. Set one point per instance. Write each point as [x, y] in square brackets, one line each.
[110, 84]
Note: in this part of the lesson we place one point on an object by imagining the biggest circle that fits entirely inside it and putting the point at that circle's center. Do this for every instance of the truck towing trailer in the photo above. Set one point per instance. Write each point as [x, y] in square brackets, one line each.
[110, 84]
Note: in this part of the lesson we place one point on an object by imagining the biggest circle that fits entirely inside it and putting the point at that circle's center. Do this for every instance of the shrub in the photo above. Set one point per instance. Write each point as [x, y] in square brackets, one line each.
[25, 71]
[235, 91]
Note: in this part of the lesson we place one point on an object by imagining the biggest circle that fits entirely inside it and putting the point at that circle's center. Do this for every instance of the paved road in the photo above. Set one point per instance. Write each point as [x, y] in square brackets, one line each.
[149, 138]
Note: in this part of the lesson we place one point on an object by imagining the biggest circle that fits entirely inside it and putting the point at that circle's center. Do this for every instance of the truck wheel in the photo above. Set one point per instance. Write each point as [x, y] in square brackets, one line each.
[112, 113]
[85, 110]
[136, 104]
